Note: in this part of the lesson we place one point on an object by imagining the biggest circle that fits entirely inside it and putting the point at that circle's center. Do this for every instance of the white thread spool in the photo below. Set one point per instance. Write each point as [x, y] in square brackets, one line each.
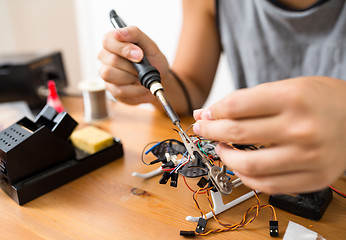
[94, 99]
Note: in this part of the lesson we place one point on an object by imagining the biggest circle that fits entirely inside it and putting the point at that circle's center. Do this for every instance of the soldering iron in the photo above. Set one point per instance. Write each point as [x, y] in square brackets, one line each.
[149, 76]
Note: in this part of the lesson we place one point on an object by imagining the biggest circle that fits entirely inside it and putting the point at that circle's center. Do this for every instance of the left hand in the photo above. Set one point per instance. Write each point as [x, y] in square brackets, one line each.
[301, 120]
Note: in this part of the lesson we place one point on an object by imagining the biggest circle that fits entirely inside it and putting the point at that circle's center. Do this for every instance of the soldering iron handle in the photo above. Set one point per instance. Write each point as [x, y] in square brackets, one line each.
[147, 73]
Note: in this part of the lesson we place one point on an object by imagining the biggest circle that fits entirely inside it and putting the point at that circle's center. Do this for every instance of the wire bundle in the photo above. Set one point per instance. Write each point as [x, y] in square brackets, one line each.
[230, 227]
[166, 149]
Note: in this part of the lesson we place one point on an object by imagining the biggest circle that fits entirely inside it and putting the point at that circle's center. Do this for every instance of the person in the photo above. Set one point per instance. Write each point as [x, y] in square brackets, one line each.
[288, 59]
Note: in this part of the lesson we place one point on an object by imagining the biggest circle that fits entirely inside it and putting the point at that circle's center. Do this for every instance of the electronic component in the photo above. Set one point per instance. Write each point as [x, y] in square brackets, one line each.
[215, 174]
[170, 146]
[166, 153]
[274, 228]
[24, 77]
[174, 179]
[202, 223]
[194, 169]
[165, 177]
[169, 164]
[187, 233]
[202, 182]
[308, 205]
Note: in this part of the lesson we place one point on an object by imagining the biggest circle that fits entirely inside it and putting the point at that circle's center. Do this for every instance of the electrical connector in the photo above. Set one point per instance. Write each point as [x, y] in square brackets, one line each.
[155, 161]
[202, 223]
[274, 228]
[165, 177]
[174, 179]
[169, 164]
[187, 233]
[202, 182]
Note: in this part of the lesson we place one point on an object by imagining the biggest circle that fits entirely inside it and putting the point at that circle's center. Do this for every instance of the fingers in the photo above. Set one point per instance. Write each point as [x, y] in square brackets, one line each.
[269, 161]
[197, 114]
[129, 42]
[117, 42]
[263, 130]
[263, 100]
[117, 76]
[122, 47]
[115, 61]
[128, 91]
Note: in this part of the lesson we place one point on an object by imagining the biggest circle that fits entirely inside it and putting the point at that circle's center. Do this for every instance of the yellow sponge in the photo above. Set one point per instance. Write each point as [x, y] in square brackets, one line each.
[91, 139]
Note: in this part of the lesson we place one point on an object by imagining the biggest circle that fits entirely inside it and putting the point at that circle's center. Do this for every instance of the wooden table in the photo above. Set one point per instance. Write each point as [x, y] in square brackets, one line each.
[102, 205]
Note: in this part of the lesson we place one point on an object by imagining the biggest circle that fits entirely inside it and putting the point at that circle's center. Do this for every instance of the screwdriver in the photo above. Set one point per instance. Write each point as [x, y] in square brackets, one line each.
[149, 76]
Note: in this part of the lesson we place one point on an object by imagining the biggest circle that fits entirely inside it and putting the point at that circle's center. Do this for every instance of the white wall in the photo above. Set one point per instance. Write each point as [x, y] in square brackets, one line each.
[6, 37]
[40, 25]
[160, 20]
[76, 27]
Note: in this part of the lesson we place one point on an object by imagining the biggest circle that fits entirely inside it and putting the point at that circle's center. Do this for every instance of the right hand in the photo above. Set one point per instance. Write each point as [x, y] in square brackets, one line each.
[120, 48]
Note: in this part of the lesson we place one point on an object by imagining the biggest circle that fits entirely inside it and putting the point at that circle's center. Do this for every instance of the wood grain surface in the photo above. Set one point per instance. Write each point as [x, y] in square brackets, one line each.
[109, 203]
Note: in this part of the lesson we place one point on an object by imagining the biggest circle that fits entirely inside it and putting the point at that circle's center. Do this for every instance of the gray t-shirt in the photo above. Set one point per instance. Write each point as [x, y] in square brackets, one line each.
[265, 43]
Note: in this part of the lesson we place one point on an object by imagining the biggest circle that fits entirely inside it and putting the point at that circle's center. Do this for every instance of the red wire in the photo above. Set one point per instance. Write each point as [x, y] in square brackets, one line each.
[166, 170]
[190, 187]
[341, 193]
[184, 164]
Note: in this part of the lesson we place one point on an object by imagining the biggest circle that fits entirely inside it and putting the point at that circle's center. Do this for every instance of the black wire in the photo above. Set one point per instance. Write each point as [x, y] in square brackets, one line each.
[186, 92]
[164, 141]
[142, 158]
[338, 193]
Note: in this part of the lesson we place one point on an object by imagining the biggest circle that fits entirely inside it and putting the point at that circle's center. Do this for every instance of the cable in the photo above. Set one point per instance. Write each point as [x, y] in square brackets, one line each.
[186, 93]
[181, 164]
[142, 155]
[206, 146]
[338, 192]
[231, 227]
[194, 196]
[187, 185]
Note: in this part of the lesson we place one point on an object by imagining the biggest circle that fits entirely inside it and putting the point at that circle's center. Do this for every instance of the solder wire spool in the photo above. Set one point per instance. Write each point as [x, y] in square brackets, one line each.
[94, 99]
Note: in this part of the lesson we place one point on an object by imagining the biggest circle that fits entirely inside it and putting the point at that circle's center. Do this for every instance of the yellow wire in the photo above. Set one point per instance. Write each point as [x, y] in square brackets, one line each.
[228, 227]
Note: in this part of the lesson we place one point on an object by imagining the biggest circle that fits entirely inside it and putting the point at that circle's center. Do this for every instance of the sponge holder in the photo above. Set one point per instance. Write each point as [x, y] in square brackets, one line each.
[37, 156]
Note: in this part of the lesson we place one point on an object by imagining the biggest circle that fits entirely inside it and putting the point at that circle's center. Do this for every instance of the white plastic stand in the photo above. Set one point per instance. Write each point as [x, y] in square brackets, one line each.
[149, 174]
[219, 206]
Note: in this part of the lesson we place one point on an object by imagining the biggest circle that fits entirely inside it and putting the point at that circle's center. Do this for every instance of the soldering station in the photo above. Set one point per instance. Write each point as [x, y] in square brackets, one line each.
[38, 156]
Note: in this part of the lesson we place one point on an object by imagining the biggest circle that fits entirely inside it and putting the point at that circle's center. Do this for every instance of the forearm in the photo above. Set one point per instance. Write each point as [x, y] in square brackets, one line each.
[196, 61]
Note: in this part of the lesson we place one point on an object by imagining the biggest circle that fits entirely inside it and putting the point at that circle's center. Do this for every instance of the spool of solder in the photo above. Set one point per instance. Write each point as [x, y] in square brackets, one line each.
[94, 99]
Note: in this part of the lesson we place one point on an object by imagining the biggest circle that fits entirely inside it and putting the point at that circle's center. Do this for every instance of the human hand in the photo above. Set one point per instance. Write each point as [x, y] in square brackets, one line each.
[301, 120]
[120, 48]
